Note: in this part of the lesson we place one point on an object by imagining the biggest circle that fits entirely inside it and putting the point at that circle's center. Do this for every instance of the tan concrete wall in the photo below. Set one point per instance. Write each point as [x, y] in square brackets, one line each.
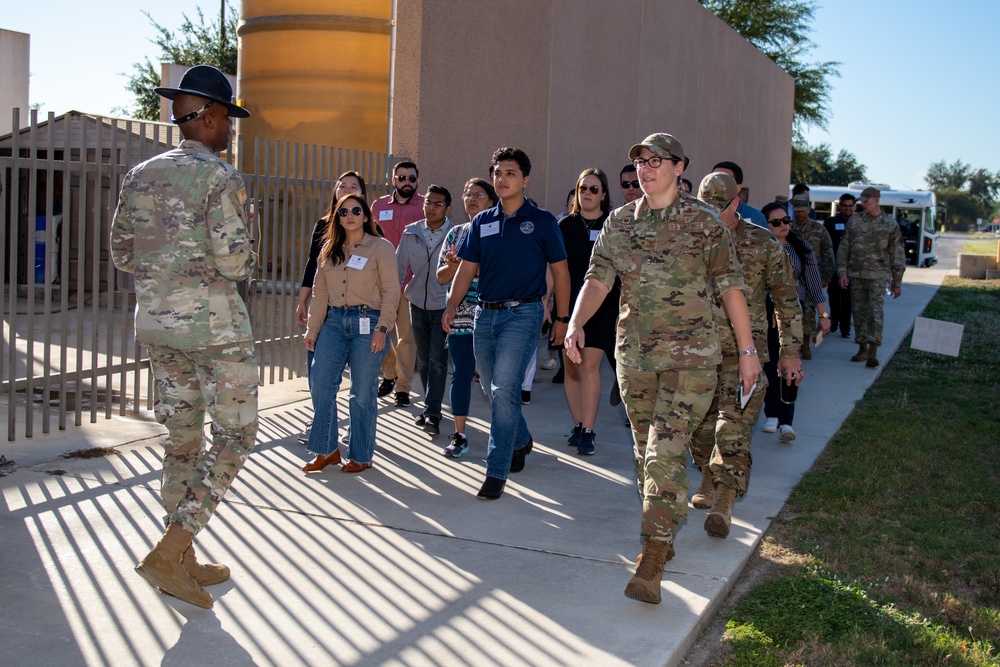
[575, 83]
[15, 53]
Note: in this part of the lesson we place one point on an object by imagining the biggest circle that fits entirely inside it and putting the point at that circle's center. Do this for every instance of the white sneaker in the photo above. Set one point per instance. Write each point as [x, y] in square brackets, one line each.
[549, 365]
[787, 432]
[771, 425]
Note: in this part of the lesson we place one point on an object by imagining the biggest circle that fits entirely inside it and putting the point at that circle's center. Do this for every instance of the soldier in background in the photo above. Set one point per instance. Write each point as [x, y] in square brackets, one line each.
[672, 253]
[871, 254]
[818, 238]
[182, 228]
[720, 446]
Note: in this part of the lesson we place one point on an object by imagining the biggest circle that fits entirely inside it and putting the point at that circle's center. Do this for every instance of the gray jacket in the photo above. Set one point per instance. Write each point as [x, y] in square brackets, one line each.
[423, 290]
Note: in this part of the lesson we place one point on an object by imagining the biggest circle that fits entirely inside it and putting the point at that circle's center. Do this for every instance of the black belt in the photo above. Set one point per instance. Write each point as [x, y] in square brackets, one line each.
[503, 305]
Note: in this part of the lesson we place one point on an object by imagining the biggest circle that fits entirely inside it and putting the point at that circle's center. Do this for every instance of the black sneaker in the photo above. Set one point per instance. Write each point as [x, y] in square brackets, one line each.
[402, 399]
[616, 395]
[585, 445]
[559, 377]
[457, 446]
[525, 397]
[432, 425]
[574, 437]
[517, 460]
[386, 387]
[492, 488]
[421, 420]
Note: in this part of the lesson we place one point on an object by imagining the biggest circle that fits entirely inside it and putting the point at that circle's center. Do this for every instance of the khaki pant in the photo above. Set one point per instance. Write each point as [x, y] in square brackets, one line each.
[401, 359]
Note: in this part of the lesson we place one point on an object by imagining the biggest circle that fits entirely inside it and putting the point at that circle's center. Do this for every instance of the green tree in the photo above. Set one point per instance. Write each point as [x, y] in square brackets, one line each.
[194, 43]
[967, 193]
[943, 175]
[818, 166]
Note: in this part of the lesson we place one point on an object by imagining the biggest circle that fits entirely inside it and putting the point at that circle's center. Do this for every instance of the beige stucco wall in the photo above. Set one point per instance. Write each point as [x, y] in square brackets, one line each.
[15, 52]
[575, 83]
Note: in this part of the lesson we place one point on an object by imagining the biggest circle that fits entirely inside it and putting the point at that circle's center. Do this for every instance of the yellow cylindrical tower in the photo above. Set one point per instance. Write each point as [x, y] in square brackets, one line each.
[315, 71]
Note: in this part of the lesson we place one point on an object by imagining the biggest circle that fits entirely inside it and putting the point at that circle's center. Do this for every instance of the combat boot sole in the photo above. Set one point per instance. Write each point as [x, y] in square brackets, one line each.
[717, 525]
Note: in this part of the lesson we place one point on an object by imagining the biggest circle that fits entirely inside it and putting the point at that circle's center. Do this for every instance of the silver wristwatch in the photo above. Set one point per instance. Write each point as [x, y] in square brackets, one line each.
[749, 352]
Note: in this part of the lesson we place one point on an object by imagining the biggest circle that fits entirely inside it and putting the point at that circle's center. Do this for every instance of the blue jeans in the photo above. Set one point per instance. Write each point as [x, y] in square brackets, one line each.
[432, 356]
[504, 341]
[463, 367]
[340, 343]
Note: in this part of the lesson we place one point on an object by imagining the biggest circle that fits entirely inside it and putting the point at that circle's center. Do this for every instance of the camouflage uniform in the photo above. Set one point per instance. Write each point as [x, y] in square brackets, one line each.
[819, 239]
[722, 441]
[181, 227]
[670, 263]
[871, 254]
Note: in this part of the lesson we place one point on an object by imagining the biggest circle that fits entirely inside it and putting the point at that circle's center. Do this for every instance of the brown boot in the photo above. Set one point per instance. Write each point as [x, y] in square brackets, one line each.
[645, 585]
[806, 352]
[163, 569]
[705, 495]
[872, 360]
[862, 353]
[205, 574]
[717, 523]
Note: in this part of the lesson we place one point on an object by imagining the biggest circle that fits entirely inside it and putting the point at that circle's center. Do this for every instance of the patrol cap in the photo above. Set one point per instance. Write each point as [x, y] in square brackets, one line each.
[800, 203]
[870, 192]
[781, 199]
[718, 189]
[661, 144]
[207, 82]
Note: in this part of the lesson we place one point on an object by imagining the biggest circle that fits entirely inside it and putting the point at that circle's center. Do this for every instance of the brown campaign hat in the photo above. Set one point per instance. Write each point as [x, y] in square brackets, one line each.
[664, 145]
[718, 189]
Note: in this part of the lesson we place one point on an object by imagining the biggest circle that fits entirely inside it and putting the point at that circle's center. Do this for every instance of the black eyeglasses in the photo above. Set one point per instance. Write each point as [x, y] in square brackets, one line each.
[630, 184]
[357, 210]
[653, 162]
[403, 179]
[780, 221]
[593, 189]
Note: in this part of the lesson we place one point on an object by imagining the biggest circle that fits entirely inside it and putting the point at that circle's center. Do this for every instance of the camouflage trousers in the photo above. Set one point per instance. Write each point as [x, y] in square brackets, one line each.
[808, 319]
[664, 407]
[720, 445]
[867, 302]
[222, 381]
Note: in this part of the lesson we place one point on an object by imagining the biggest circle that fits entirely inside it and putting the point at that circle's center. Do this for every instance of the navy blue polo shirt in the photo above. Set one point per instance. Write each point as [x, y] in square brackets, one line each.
[513, 252]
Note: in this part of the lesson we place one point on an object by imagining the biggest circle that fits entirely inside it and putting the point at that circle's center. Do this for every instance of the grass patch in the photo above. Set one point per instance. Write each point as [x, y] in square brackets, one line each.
[90, 453]
[984, 247]
[898, 521]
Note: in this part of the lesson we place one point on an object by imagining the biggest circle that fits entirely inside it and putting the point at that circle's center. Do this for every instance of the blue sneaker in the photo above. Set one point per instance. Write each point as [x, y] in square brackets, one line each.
[574, 437]
[457, 446]
[585, 445]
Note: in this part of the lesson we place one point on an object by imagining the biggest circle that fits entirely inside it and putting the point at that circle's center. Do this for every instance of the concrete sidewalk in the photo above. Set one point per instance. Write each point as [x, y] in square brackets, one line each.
[399, 565]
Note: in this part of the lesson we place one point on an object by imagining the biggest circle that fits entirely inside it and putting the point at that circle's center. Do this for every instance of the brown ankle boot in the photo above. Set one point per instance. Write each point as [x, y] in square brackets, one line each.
[872, 360]
[718, 520]
[205, 574]
[163, 569]
[705, 495]
[806, 352]
[862, 353]
[645, 585]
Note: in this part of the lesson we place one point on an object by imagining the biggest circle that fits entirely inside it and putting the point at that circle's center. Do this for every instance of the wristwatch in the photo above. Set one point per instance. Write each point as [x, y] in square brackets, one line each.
[384, 329]
[749, 352]
[564, 320]
[824, 316]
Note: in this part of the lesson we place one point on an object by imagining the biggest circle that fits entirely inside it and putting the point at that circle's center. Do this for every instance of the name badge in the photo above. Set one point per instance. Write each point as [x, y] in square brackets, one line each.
[357, 262]
[594, 233]
[365, 325]
[384, 215]
[838, 227]
[489, 229]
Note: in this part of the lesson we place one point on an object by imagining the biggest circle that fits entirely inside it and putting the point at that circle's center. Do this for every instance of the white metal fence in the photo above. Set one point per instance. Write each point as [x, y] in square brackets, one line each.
[69, 348]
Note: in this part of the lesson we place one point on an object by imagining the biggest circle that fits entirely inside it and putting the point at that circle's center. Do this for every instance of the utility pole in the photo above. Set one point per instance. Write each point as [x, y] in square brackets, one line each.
[222, 29]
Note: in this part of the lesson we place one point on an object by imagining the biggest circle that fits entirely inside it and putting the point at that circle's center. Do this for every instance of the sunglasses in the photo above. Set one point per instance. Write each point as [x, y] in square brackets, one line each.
[630, 184]
[653, 162]
[593, 189]
[357, 210]
[404, 179]
[780, 221]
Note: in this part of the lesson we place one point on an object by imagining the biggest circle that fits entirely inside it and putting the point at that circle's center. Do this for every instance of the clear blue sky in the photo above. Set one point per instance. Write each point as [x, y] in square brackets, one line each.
[919, 82]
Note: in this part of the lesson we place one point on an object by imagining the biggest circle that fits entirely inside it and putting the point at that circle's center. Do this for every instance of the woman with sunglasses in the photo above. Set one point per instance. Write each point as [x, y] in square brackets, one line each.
[355, 296]
[809, 286]
[478, 195]
[580, 229]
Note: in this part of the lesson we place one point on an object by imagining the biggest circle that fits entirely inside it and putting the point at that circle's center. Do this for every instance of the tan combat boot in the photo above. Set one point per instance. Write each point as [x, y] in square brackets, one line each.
[806, 352]
[718, 520]
[162, 568]
[645, 585]
[205, 574]
[705, 495]
[862, 353]
[872, 360]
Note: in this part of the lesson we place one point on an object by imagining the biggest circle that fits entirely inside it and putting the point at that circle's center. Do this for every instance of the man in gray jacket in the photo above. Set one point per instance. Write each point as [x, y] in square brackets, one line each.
[418, 251]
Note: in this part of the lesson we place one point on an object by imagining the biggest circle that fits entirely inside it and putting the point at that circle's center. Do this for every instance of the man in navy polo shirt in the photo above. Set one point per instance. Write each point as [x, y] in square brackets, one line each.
[510, 245]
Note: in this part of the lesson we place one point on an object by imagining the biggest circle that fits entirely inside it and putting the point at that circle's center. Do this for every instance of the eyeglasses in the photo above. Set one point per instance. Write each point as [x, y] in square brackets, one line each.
[593, 189]
[357, 210]
[404, 179]
[630, 184]
[780, 221]
[434, 204]
[474, 195]
[653, 162]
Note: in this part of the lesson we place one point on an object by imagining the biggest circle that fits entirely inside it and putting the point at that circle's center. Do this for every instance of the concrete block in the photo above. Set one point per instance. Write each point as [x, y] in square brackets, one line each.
[975, 266]
[993, 274]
